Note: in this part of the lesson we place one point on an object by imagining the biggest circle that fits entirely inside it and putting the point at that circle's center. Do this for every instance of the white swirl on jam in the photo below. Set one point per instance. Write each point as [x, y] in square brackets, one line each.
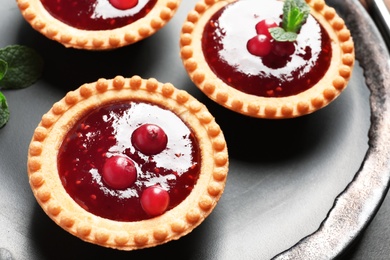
[177, 157]
[178, 154]
[103, 9]
[236, 26]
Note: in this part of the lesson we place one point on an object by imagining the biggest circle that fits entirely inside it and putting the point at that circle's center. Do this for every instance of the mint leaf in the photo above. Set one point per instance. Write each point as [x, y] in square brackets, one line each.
[280, 35]
[25, 66]
[295, 13]
[4, 111]
[3, 68]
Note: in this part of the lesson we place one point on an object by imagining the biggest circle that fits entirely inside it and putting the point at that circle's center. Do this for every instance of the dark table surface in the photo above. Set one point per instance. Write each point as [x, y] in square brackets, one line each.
[374, 243]
[302, 190]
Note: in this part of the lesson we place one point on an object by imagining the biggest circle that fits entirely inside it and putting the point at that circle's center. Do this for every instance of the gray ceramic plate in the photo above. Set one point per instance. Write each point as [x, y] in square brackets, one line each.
[306, 187]
[355, 207]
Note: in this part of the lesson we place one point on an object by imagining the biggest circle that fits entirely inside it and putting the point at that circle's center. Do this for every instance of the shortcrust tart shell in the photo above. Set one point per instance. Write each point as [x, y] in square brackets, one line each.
[40, 19]
[173, 224]
[318, 96]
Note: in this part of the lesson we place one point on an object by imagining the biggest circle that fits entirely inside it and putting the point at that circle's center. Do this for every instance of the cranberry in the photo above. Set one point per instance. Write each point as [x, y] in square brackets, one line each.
[260, 45]
[275, 62]
[263, 27]
[119, 172]
[283, 49]
[154, 200]
[149, 139]
[123, 4]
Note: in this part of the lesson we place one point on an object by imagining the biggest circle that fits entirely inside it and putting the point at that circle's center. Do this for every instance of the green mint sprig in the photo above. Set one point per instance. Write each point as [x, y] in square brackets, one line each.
[24, 66]
[20, 67]
[4, 111]
[295, 13]
[3, 68]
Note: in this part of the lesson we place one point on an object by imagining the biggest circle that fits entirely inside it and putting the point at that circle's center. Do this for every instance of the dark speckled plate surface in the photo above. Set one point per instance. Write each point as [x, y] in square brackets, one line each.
[298, 189]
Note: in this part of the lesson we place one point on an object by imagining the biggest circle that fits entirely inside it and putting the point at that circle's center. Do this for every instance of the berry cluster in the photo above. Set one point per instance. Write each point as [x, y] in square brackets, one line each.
[119, 172]
[263, 43]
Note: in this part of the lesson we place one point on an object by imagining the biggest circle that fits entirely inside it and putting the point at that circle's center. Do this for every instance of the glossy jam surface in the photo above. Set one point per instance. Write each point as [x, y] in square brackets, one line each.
[107, 132]
[96, 14]
[224, 44]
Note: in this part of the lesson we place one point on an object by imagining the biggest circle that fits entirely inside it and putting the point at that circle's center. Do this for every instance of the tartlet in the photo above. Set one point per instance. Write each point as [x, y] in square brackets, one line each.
[71, 188]
[230, 46]
[97, 24]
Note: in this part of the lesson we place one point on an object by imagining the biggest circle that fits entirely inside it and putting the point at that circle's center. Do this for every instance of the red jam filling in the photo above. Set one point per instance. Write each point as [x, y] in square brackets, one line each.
[98, 14]
[225, 44]
[107, 175]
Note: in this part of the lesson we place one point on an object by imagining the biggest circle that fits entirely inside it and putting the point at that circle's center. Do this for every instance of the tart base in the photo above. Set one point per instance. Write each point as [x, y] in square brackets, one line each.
[173, 224]
[324, 92]
[39, 18]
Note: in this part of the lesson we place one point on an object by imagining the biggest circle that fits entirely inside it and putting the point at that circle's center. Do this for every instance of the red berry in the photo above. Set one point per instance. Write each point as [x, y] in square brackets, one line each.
[260, 45]
[154, 200]
[119, 172]
[123, 4]
[149, 139]
[283, 49]
[263, 26]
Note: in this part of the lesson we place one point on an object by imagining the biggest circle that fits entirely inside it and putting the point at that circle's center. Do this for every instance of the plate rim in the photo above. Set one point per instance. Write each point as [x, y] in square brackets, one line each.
[356, 206]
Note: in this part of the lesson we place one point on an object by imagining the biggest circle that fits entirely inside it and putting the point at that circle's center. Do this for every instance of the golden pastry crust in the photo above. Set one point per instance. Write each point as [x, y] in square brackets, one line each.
[35, 14]
[62, 209]
[317, 97]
